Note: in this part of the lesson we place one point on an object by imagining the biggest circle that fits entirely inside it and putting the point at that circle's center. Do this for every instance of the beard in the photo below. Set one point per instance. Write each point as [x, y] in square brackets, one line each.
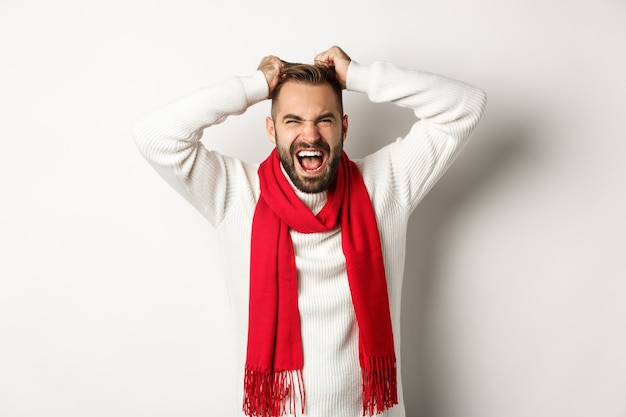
[315, 184]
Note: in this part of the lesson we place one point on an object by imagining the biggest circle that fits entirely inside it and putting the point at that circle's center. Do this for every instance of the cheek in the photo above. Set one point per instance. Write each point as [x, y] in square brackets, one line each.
[334, 136]
[283, 137]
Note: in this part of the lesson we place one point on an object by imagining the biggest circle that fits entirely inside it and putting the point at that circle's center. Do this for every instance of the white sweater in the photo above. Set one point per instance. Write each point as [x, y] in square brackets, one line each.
[225, 190]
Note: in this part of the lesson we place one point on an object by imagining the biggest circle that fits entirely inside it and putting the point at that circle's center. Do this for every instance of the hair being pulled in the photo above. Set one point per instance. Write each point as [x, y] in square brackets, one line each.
[311, 75]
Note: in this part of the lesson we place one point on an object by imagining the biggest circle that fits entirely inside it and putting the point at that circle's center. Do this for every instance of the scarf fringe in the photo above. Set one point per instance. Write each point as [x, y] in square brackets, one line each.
[272, 393]
[380, 386]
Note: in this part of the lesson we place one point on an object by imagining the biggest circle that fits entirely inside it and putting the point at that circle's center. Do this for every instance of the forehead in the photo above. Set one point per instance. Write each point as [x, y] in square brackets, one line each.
[305, 99]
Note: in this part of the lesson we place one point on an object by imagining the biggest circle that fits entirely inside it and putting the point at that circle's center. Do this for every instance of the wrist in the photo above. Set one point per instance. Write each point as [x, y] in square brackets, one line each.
[255, 87]
[357, 77]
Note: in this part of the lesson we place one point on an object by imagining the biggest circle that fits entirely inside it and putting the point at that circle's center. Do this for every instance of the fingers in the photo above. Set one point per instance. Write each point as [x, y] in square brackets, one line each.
[335, 58]
[331, 57]
[271, 66]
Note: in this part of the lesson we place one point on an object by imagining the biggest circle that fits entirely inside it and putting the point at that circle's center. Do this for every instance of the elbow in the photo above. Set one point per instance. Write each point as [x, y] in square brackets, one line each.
[141, 133]
[483, 100]
[475, 105]
[479, 102]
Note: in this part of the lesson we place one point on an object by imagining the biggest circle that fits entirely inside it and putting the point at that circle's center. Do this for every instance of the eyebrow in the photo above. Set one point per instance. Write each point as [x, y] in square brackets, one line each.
[326, 115]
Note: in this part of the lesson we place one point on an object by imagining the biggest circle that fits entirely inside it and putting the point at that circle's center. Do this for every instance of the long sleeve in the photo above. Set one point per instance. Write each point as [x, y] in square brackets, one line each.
[397, 176]
[169, 138]
[447, 112]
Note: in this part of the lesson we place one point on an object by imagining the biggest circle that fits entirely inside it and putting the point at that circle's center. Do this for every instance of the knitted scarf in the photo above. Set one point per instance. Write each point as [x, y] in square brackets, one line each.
[273, 382]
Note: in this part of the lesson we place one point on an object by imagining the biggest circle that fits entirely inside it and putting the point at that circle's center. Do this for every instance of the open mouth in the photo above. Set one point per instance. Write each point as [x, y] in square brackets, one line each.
[311, 161]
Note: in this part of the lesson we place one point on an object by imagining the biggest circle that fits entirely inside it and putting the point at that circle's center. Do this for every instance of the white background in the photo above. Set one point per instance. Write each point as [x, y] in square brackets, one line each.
[112, 301]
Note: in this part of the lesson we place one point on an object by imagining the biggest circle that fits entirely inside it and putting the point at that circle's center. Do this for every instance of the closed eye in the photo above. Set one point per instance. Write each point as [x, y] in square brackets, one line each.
[291, 119]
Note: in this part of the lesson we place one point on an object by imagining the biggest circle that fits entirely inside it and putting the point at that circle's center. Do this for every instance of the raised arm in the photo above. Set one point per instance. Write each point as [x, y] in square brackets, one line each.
[169, 138]
[447, 112]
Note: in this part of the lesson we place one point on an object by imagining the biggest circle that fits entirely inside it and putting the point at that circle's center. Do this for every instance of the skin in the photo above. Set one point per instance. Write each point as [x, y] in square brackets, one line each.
[308, 119]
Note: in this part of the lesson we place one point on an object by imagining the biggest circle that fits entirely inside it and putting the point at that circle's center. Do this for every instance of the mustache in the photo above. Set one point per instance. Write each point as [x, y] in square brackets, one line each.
[321, 146]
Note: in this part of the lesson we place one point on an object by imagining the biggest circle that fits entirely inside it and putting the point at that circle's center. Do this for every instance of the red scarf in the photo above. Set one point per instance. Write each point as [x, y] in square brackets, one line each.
[273, 380]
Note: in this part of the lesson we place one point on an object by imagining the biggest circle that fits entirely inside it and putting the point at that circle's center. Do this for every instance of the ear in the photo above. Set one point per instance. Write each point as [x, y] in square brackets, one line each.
[270, 129]
[344, 127]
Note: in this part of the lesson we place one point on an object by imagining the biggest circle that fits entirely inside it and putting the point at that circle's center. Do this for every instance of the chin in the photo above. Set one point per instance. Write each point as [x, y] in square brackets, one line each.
[315, 184]
[308, 183]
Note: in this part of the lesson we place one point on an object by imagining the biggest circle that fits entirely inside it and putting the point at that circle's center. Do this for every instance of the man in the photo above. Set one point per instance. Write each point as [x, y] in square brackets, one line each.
[314, 243]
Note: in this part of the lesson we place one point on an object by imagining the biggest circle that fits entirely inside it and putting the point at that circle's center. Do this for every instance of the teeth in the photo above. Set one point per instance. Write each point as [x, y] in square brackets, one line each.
[304, 154]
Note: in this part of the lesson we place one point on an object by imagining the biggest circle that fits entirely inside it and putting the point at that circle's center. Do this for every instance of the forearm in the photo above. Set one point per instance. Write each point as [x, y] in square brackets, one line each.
[169, 138]
[171, 134]
[447, 112]
[447, 105]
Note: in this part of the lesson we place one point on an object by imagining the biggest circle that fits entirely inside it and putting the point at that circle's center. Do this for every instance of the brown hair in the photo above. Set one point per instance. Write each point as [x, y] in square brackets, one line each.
[308, 74]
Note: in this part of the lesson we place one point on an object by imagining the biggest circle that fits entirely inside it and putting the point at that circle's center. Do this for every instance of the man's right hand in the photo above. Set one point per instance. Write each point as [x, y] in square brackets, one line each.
[271, 66]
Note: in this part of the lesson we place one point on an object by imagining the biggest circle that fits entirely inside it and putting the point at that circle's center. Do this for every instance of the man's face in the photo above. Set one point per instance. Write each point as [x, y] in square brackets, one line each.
[308, 130]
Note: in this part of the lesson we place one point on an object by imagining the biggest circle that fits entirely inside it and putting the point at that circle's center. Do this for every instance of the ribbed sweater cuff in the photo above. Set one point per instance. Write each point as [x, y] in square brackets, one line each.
[358, 77]
[255, 87]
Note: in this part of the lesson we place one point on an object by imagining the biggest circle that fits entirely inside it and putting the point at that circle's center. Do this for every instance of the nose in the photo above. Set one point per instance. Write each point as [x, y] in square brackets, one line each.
[310, 131]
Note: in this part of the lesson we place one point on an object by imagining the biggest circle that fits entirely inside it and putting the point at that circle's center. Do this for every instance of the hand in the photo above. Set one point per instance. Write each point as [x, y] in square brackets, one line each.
[271, 66]
[336, 58]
